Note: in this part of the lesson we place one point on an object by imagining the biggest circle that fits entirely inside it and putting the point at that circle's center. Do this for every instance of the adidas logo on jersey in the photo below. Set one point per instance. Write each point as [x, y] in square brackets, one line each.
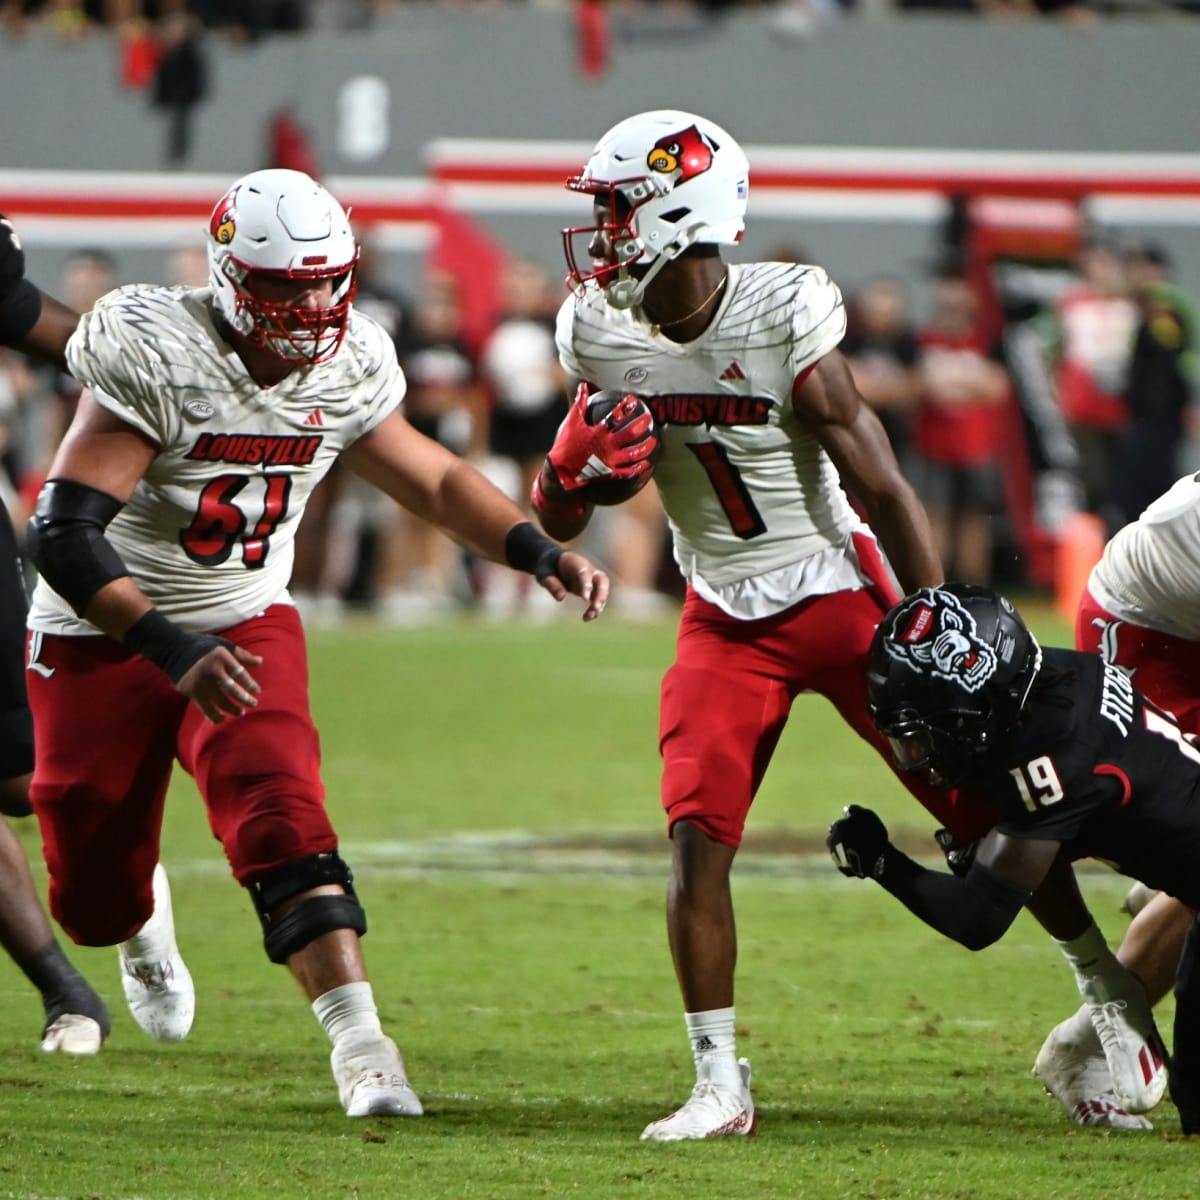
[733, 371]
[314, 418]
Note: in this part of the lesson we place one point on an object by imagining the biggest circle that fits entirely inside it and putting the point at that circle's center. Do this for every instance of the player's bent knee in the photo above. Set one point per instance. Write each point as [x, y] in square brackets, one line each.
[87, 923]
[285, 933]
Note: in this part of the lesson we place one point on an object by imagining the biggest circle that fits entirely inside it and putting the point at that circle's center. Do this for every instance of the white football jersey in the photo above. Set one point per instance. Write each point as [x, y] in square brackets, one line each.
[208, 533]
[1150, 571]
[746, 488]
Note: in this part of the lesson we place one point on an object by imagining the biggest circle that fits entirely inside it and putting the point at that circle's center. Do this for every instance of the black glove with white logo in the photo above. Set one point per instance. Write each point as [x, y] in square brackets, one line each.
[859, 843]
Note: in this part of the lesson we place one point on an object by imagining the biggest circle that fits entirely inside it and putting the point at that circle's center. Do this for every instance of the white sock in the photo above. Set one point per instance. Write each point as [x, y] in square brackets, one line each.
[1098, 973]
[155, 941]
[711, 1035]
[1079, 1031]
[348, 1014]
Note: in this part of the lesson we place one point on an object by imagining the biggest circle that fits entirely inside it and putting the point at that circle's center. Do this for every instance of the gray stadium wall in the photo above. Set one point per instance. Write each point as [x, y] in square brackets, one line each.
[1127, 85]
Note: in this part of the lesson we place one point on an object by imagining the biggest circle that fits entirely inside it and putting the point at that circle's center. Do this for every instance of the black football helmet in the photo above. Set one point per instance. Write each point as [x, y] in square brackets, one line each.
[949, 671]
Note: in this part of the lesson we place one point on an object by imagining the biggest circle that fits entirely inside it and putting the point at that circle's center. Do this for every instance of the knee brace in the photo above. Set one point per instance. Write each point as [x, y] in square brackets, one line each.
[308, 920]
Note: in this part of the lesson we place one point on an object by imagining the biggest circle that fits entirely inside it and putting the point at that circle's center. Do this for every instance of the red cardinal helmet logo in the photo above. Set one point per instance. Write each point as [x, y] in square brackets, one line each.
[683, 155]
[224, 219]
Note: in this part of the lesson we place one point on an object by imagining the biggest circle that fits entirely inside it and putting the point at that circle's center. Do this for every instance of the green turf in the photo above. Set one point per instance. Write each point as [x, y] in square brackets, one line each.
[497, 790]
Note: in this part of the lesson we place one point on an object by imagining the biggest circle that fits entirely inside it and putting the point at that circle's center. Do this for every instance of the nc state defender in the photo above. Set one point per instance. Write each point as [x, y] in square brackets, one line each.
[167, 523]
[760, 424]
[1073, 758]
[1139, 612]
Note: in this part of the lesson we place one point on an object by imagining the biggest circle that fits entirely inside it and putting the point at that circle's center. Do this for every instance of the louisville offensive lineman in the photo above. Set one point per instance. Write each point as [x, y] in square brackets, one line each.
[1073, 758]
[167, 523]
[760, 424]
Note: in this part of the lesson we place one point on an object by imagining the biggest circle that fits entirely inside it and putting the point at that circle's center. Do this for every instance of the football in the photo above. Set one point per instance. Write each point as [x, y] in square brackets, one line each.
[607, 492]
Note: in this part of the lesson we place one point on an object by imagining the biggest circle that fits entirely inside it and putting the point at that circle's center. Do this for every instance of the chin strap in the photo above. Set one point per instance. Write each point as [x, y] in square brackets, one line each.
[626, 291]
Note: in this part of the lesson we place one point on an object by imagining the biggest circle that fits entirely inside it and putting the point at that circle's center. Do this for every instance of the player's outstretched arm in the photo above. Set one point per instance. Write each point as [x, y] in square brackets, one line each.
[430, 481]
[974, 911]
[30, 321]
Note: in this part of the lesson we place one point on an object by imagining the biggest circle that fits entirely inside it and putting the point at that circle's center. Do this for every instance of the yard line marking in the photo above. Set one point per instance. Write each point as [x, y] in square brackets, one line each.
[777, 856]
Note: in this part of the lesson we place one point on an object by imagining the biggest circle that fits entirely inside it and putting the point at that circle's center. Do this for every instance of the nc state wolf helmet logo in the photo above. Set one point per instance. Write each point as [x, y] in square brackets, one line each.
[933, 633]
[681, 155]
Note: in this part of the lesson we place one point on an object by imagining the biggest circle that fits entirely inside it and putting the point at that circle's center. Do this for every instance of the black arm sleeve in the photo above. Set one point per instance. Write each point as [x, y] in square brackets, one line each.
[20, 308]
[66, 540]
[975, 911]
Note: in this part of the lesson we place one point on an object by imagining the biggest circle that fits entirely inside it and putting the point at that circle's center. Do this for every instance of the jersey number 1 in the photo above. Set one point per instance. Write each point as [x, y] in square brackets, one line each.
[744, 519]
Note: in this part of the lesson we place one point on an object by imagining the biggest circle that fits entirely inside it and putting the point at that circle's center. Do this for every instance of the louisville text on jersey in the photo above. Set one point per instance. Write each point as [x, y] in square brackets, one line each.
[253, 449]
[710, 410]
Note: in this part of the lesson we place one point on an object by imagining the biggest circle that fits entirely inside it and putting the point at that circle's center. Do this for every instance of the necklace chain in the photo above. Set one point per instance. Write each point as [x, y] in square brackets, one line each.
[655, 326]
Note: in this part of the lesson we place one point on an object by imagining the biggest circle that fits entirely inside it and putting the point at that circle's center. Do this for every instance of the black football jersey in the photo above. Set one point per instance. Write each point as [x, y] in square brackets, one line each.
[1095, 766]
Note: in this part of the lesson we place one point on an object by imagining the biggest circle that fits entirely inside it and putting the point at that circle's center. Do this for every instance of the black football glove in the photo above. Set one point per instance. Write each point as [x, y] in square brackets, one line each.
[959, 855]
[858, 843]
[20, 301]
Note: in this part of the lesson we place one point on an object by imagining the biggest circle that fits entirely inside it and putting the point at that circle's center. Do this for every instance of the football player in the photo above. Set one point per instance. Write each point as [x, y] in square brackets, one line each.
[760, 425]
[1139, 612]
[167, 523]
[1073, 759]
[77, 1020]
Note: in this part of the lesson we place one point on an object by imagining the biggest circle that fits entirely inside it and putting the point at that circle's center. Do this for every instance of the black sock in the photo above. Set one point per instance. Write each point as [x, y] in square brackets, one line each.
[62, 987]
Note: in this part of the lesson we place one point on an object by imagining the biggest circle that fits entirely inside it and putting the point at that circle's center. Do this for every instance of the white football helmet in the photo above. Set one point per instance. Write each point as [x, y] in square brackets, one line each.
[670, 180]
[284, 224]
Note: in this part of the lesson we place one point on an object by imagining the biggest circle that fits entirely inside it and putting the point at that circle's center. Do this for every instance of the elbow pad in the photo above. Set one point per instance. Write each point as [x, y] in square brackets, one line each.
[65, 539]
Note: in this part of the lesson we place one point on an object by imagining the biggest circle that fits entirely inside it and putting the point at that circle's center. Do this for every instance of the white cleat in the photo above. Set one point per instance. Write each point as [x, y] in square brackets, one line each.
[373, 1083]
[158, 986]
[1077, 1076]
[73, 1033]
[1133, 1050]
[710, 1111]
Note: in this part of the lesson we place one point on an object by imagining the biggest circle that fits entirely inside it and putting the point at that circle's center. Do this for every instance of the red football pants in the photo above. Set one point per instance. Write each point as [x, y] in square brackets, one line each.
[1165, 669]
[726, 700]
[108, 728]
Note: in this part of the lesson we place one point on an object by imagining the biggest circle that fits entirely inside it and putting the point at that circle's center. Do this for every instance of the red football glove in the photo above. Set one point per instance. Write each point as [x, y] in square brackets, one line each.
[614, 448]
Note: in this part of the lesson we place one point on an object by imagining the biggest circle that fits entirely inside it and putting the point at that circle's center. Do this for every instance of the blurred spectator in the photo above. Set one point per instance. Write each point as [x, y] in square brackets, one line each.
[36, 401]
[289, 145]
[526, 390]
[421, 572]
[1089, 334]
[881, 349]
[1160, 386]
[188, 266]
[339, 539]
[249, 20]
[180, 81]
[522, 373]
[87, 274]
[958, 432]
[240, 19]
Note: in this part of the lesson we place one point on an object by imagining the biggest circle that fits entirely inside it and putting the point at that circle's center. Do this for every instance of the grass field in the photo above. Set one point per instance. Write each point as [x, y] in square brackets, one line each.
[496, 792]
